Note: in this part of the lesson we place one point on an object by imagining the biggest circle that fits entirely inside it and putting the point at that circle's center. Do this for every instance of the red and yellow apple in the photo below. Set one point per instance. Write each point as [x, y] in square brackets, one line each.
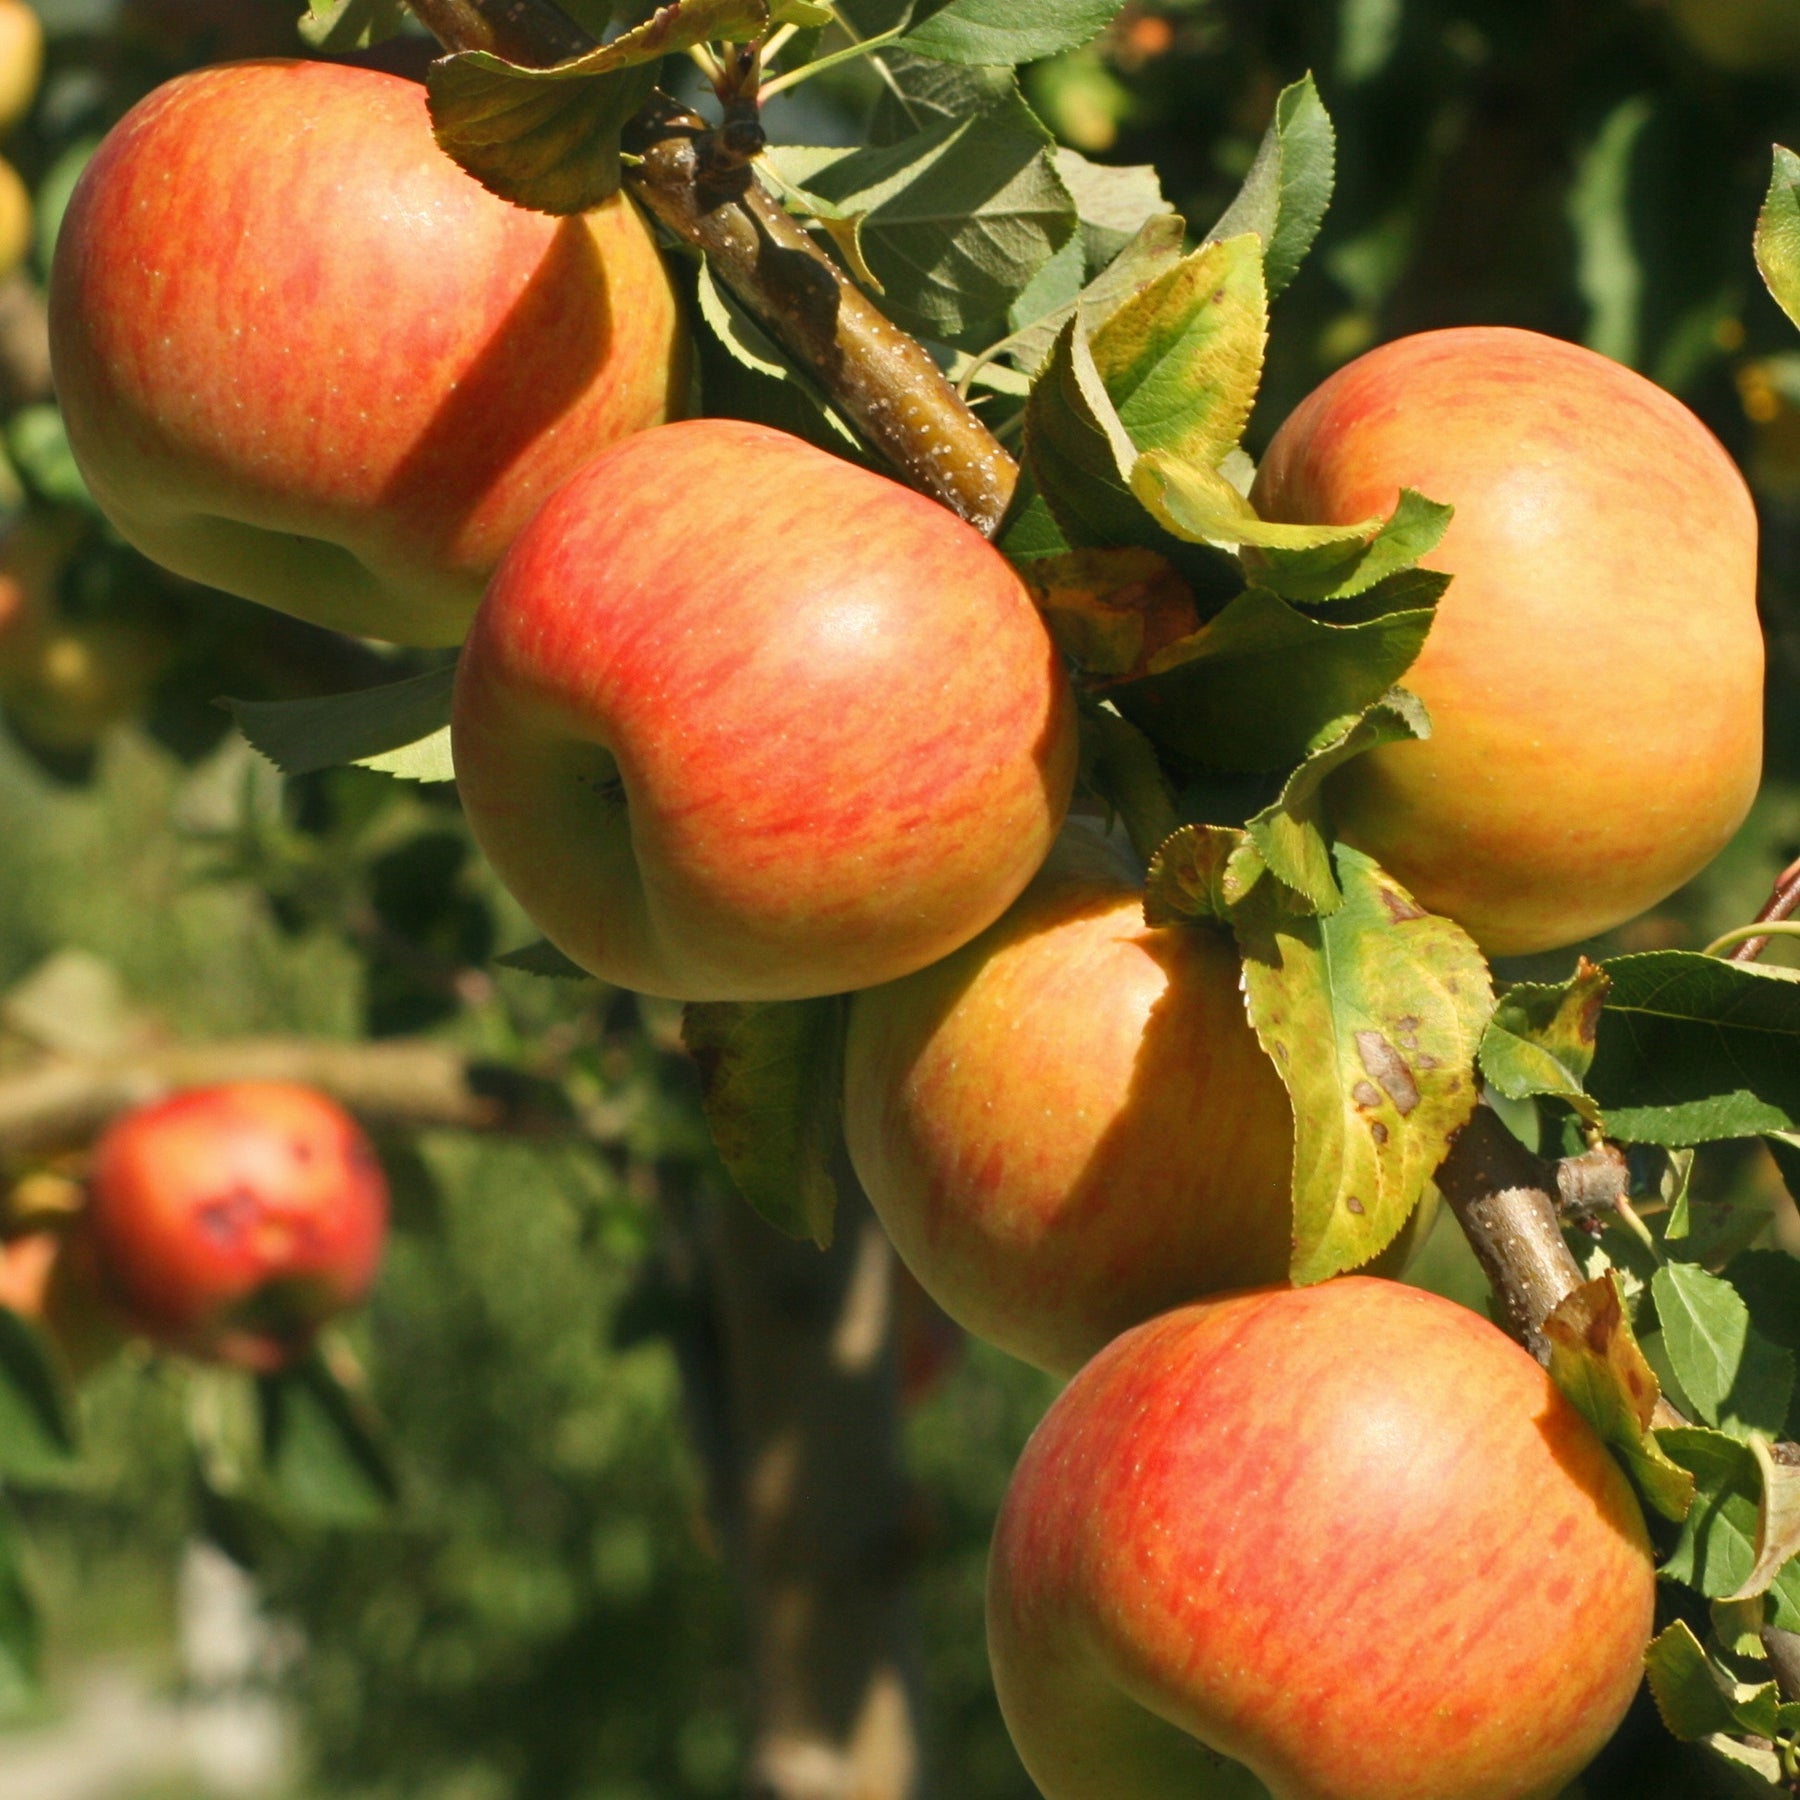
[1348, 1537]
[231, 1222]
[1594, 675]
[739, 720]
[304, 358]
[1068, 1125]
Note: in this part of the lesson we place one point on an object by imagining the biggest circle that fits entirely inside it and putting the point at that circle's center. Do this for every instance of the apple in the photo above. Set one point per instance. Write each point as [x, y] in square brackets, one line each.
[1068, 1125]
[231, 1222]
[1594, 676]
[1349, 1537]
[304, 358]
[739, 720]
[21, 61]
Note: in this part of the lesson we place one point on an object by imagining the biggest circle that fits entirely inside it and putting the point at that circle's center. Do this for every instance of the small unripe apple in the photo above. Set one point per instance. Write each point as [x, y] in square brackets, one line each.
[21, 61]
[1068, 1125]
[1594, 675]
[739, 720]
[304, 358]
[15, 218]
[1348, 1536]
[231, 1222]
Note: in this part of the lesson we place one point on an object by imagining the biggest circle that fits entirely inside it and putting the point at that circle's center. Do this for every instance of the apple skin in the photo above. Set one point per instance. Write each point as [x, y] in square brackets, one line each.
[231, 1222]
[304, 358]
[1595, 673]
[1068, 1125]
[739, 720]
[1743, 37]
[1349, 1535]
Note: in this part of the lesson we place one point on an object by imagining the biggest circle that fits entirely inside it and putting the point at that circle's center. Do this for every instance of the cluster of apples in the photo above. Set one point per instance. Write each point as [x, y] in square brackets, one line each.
[739, 720]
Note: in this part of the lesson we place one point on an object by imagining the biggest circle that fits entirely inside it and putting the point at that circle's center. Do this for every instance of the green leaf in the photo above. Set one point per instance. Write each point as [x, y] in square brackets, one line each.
[1342, 571]
[1541, 1038]
[1597, 1362]
[1284, 197]
[37, 1435]
[1114, 202]
[38, 444]
[1156, 246]
[548, 139]
[1716, 1551]
[918, 91]
[1290, 835]
[1609, 267]
[542, 958]
[1264, 683]
[1692, 1049]
[1696, 1698]
[1200, 505]
[957, 219]
[1778, 1522]
[771, 1082]
[401, 728]
[1077, 451]
[21, 1632]
[991, 32]
[337, 26]
[1372, 1016]
[1778, 233]
[1182, 359]
[323, 1446]
[1734, 1377]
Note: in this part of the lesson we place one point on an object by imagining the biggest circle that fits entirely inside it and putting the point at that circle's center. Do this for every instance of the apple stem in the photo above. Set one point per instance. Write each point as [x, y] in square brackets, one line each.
[696, 181]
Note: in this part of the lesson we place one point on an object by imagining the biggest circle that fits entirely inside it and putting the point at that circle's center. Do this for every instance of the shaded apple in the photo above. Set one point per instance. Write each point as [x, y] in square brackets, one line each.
[1594, 675]
[304, 358]
[739, 720]
[1348, 1538]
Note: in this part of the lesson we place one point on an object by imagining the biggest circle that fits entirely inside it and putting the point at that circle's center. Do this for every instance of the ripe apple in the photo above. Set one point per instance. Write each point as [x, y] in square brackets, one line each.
[1595, 673]
[1068, 1125]
[21, 61]
[304, 358]
[231, 1222]
[739, 720]
[1349, 1536]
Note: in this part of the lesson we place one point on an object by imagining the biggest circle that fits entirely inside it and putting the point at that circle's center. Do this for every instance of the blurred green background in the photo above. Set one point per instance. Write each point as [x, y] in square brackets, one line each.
[545, 1615]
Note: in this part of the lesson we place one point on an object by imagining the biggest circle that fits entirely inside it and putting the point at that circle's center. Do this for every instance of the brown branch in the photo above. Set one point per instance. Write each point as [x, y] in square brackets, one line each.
[1506, 1200]
[62, 1103]
[1781, 904]
[695, 181]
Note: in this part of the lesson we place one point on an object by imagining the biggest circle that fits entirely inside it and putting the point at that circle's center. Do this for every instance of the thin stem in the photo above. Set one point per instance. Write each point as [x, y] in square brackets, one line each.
[1781, 903]
[820, 64]
[777, 41]
[1757, 934]
[708, 65]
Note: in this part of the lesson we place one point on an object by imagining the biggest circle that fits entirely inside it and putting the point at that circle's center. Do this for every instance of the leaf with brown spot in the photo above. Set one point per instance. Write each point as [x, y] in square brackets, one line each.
[771, 1079]
[1541, 1039]
[1596, 1360]
[1327, 995]
[548, 139]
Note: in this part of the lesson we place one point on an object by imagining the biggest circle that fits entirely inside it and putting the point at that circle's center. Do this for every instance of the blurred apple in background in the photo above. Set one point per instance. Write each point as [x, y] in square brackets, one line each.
[231, 1222]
